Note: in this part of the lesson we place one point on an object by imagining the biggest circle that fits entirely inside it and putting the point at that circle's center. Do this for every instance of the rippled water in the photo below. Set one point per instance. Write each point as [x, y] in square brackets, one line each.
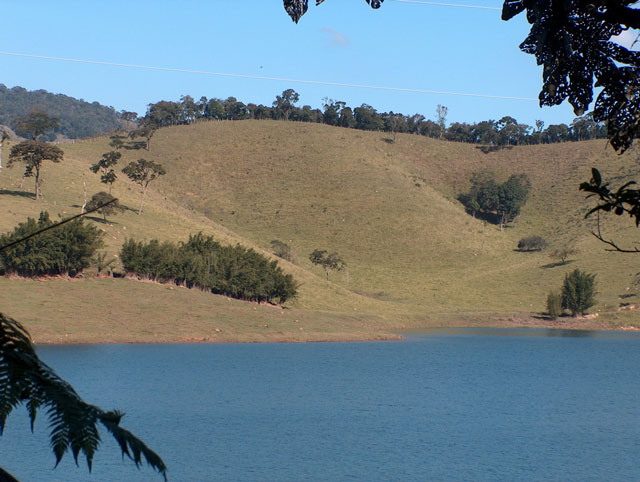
[459, 405]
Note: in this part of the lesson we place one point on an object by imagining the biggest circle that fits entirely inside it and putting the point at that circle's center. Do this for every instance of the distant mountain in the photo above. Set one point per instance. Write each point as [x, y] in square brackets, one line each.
[78, 118]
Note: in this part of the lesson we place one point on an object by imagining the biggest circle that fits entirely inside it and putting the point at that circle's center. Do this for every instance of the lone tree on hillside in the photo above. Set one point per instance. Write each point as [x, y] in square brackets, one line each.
[105, 166]
[142, 172]
[578, 292]
[34, 124]
[33, 154]
[105, 204]
[328, 261]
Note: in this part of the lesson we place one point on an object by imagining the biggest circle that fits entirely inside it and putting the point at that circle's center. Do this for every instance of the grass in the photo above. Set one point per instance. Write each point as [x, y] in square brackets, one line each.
[414, 257]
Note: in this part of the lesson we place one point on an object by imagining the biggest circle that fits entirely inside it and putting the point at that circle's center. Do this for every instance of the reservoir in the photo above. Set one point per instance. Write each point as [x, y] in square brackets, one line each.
[454, 405]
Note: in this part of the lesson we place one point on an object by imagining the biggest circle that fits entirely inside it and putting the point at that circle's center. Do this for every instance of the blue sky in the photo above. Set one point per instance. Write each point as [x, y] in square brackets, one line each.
[401, 45]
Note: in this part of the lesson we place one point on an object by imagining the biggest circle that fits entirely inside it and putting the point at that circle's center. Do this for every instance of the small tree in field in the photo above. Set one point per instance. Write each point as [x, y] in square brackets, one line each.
[562, 253]
[107, 201]
[328, 262]
[578, 292]
[105, 166]
[33, 154]
[142, 172]
[554, 304]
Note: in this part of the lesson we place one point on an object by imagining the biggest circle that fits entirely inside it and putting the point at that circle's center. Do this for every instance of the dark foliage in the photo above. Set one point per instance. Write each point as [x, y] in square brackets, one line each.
[77, 118]
[203, 263]
[105, 204]
[571, 39]
[532, 243]
[554, 304]
[329, 262]
[499, 202]
[66, 250]
[578, 291]
[27, 380]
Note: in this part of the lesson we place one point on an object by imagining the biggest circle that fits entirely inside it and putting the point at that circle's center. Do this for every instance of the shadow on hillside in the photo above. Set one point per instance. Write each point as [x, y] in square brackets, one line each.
[18, 193]
[556, 264]
[381, 295]
[489, 149]
[627, 295]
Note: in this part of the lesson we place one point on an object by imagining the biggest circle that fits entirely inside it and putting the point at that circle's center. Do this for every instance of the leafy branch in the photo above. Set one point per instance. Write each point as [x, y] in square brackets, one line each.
[626, 199]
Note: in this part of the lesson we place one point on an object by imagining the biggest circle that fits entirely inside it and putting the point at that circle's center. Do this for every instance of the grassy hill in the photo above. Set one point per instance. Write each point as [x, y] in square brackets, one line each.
[414, 257]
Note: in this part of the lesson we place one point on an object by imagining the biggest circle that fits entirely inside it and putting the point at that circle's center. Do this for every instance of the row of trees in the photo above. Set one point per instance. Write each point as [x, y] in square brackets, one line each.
[497, 202]
[203, 263]
[502, 132]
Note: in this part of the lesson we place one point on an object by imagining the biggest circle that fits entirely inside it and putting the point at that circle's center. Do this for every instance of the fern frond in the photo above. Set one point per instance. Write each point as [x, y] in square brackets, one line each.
[24, 378]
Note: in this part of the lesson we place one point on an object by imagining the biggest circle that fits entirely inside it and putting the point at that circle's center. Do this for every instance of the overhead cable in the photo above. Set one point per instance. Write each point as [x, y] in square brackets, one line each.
[263, 77]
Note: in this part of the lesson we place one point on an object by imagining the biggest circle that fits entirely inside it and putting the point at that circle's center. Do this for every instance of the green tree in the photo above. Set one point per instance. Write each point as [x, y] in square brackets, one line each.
[105, 204]
[105, 166]
[142, 172]
[65, 250]
[554, 304]
[329, 262]
[34, 124]
[578, 292]
[33, 154]
[285, 103]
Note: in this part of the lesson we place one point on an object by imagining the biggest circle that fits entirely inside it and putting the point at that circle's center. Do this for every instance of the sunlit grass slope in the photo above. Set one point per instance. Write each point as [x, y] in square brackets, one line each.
[388, 208]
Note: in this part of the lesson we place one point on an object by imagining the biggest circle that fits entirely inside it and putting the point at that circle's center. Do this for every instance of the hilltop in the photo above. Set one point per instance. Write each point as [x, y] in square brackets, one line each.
[78, 118]
[388, 207]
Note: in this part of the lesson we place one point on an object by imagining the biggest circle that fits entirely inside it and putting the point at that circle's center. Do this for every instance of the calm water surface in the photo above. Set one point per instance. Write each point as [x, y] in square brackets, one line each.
[512, 405]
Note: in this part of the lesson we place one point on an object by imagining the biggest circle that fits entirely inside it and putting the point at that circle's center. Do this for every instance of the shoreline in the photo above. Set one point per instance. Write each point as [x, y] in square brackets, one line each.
[573, 324]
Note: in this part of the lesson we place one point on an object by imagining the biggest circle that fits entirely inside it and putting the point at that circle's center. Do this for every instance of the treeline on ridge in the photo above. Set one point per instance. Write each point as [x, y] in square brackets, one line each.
[503, 132]
[203, 263]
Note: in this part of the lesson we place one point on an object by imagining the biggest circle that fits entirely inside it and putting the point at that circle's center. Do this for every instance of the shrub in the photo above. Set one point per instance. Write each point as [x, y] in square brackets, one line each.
[578, 292]
[282, 250]
[66, 249]
[203, 263]
[562, 253]
[554, 304]
[532, 243]
[101, 198]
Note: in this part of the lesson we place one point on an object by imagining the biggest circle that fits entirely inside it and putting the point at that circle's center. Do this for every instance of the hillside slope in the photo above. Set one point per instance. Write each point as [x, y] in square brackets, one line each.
[414, 257]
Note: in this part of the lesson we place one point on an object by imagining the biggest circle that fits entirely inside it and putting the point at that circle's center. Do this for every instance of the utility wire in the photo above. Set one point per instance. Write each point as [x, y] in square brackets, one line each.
[262, 77]
[439, 4]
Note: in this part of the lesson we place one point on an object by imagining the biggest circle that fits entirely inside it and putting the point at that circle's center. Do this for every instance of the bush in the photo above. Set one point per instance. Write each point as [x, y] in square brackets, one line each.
[203, 263]
[282, 250]
[532, 243]
[578, 292]
[66, 249]
[554, 304]
[101, 198]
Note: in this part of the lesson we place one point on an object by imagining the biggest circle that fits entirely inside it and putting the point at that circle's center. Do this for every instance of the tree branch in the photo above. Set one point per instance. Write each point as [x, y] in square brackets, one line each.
[614, 246]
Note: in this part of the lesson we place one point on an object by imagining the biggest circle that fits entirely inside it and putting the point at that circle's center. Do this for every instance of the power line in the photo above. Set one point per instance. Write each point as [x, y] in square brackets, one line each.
[439, 4]
[263, 77]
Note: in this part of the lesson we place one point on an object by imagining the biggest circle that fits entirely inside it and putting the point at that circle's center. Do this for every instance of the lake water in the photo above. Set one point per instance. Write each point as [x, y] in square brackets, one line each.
[512, 405]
